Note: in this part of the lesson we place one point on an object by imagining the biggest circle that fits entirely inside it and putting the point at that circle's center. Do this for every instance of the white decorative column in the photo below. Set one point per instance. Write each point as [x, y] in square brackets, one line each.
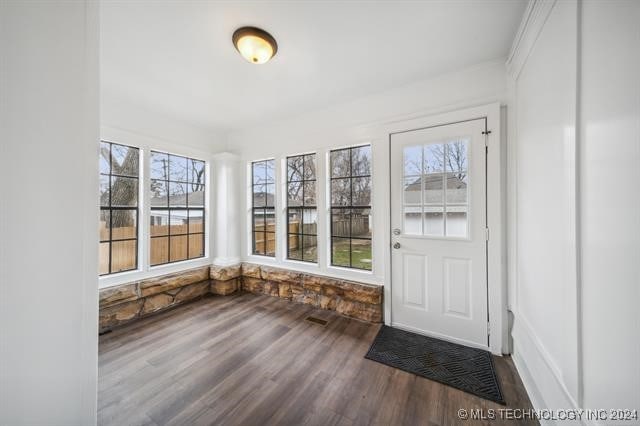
[226, 209]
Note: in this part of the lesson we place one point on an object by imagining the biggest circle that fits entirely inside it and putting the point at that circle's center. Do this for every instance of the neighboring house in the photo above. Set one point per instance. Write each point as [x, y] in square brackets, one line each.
[264, 199]
[178, 217]
[456, 189]
[427, 194]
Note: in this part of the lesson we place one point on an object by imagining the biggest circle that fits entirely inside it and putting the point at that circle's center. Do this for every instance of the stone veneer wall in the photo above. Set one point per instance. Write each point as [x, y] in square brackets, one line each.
[352, 299]
[129, 302]
[225, 279]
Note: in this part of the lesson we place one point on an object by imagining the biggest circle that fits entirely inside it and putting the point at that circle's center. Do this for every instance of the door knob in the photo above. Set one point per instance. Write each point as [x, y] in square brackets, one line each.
[396, 246]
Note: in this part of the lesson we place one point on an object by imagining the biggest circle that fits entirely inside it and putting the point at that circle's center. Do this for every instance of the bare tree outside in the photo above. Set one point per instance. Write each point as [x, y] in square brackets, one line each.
[295, 174]
[123, 190]
[453, 155]
[302, 212]
[435, 182]
[119, 166]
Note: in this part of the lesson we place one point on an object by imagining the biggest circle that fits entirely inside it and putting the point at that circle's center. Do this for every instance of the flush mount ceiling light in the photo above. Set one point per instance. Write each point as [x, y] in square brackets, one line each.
[255, 45]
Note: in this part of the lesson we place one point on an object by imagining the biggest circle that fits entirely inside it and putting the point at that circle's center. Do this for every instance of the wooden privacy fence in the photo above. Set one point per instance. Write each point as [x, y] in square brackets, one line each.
[359, 225]
[123, 255]
[270, 242]
[163, 249]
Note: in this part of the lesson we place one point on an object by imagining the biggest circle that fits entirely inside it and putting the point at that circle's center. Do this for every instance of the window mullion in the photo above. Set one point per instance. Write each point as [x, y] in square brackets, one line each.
[301, 242]
[444, 187]
[144, 203]
[110, 208]
[351, 208]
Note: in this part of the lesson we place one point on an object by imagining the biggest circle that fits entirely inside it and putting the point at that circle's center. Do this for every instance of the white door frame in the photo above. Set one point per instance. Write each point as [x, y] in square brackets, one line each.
[497, 289]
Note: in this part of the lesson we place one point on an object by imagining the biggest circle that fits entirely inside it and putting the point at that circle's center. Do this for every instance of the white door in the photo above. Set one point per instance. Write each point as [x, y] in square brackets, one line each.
[439, 232]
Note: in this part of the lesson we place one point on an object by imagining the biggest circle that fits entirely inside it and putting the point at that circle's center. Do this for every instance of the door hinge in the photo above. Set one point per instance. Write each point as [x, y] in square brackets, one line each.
[488, 328]
[486, 132]
[486, 233]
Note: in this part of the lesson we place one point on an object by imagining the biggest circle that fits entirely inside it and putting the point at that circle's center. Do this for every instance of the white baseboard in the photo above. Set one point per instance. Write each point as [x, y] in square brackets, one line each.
[529, 383]
[540, 376]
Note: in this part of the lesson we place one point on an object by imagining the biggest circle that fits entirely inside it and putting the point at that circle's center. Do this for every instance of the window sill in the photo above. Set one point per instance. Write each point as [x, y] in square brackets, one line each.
[154, 271]
[301, 264]
[345, 270]
[118, 278]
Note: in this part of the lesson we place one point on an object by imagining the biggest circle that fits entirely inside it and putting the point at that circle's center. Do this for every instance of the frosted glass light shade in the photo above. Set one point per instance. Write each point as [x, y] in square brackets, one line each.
[255, 45]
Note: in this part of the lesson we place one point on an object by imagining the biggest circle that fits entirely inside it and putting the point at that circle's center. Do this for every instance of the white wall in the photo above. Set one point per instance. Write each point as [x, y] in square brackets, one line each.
[576, 214]
[481, 84]
[610, 203]
[124, 115]
[48, 212]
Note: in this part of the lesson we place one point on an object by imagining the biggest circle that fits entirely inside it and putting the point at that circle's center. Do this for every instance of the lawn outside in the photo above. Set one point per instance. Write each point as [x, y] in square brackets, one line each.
[360, 253]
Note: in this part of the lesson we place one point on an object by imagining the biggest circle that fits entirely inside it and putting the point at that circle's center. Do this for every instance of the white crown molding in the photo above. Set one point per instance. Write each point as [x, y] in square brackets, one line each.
[535, 16]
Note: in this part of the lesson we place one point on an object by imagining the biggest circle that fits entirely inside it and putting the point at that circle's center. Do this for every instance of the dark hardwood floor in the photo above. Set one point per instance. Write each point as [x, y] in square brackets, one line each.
[254, 360]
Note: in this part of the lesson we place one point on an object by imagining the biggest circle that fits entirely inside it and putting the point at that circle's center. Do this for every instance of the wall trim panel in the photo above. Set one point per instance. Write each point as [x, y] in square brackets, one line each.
[539, 373]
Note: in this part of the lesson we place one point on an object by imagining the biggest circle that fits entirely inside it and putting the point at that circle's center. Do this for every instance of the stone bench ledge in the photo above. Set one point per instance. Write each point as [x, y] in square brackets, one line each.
[172, 281]
[225, 273]
[130, 301]
[350, 298]
[225, 279]
[127, 302]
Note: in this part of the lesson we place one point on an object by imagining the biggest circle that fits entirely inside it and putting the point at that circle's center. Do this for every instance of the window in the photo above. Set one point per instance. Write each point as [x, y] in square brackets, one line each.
[302, 211]
[435, 189]
[118, 226]
[177, 189]
[351, 207]
[263, 207]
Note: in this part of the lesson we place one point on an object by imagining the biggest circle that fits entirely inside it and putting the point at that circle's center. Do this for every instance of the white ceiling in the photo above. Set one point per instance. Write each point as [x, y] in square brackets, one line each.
[176, 57]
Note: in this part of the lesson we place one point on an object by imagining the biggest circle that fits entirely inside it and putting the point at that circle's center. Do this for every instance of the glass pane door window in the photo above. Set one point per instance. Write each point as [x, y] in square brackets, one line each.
[436, 189]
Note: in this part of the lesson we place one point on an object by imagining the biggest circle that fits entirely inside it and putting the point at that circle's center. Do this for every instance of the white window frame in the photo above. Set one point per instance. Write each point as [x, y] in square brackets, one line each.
[148, 208]
[285, 212]
[249, 192]
[323, 266]
[144, 270]
[328, 210]
[139, 218]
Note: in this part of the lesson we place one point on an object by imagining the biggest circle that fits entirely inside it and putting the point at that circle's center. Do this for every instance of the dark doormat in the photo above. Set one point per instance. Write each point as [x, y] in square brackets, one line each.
[468, 369]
